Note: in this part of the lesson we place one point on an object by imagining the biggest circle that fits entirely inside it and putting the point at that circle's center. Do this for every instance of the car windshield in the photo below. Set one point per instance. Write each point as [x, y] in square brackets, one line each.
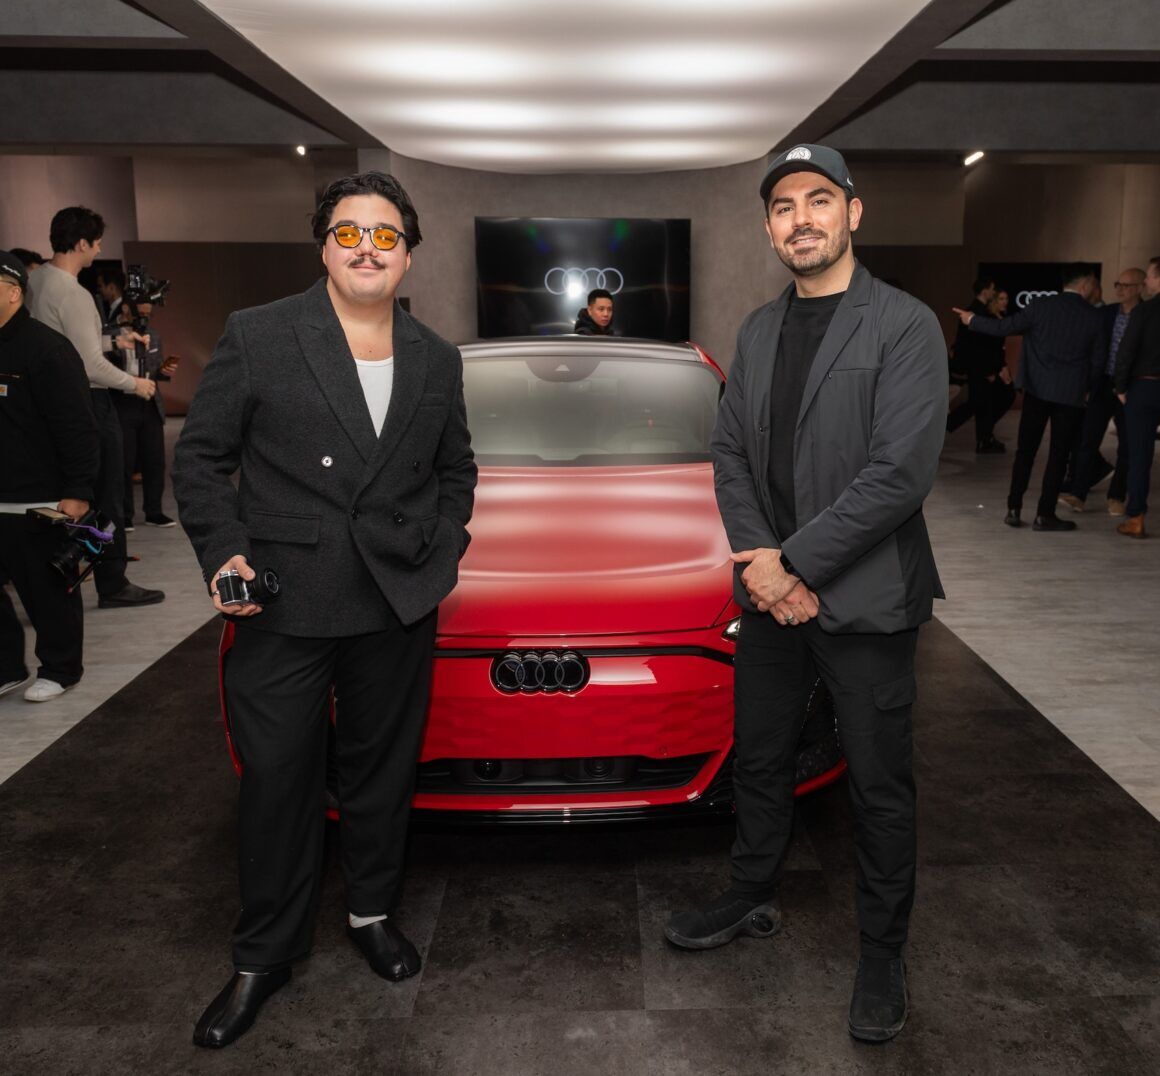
[569, 411]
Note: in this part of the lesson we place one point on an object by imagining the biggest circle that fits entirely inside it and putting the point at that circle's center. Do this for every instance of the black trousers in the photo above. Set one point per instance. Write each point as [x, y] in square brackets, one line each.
[109, 572]
[871, 678]
[993, 399]
[1103, 407]
[1143, 417]
[57, 617]
[278, 688]
[143, 441]
[1065, 423]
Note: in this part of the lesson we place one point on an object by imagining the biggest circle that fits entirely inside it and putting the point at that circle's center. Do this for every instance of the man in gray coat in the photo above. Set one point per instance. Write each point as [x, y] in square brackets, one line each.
[346, 418]
[826, 445]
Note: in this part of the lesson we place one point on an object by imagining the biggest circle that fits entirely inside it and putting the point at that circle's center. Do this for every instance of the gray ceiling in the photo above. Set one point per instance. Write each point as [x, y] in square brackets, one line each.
[1015, 76]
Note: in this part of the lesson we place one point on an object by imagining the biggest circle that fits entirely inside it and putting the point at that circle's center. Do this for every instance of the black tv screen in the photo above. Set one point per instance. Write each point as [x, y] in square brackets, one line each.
[533, 274]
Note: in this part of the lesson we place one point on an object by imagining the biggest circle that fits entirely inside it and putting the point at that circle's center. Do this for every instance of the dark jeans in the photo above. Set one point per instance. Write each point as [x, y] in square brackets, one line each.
[1142, 412]
[143, 441]
[993, 399]
[1065, 422]
[871, 678]
[57, 617]
[278, 689]
[109, 571]
[1104, 406]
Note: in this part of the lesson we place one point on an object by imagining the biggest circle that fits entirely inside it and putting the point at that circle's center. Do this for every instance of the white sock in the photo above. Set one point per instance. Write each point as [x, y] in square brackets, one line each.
[357, 921]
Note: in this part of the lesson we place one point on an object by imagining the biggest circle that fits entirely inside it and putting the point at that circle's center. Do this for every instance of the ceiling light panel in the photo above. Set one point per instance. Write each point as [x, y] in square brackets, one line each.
[518, 85]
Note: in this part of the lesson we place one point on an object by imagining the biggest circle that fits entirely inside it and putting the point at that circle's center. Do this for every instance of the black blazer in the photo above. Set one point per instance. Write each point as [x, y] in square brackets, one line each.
[866, 448]
[352, 523]
[1139, 353]
[1064, 346]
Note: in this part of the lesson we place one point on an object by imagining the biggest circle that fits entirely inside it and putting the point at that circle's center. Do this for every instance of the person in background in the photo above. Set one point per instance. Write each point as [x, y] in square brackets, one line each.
[1063, 354]
[58, 300]
[1137, 385]
[50, 449]
[1104, 404]
[596, 318]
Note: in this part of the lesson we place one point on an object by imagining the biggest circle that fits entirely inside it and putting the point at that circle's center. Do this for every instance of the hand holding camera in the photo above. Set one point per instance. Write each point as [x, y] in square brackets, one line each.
[239, 590]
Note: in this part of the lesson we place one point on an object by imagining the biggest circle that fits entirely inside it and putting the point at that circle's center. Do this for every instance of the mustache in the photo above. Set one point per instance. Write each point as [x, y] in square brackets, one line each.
[366, 259]
[806, 233]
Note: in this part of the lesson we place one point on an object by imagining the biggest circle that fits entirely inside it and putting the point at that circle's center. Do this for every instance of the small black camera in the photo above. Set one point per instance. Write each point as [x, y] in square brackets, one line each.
[261, 590]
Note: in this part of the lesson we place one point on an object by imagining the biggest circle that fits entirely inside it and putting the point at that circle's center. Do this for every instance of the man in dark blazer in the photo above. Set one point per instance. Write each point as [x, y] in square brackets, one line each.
[826, 444]
[346, 418]
[1061, 363]
[1137, 385]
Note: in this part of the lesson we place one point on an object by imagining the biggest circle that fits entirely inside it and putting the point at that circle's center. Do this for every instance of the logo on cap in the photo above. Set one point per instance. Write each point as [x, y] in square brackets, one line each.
[799, 154]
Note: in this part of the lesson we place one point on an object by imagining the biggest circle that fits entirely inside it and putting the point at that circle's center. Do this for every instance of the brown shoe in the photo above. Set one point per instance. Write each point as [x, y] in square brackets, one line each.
[1133, 527]
[1072, 501]
[1116, 508]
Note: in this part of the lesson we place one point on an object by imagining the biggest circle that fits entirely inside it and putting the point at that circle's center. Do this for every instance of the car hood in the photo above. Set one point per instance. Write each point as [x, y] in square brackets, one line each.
[591, 551]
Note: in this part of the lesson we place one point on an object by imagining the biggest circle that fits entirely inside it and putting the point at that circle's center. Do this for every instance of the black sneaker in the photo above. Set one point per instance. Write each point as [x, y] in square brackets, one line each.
[128, 526]
[1012, 518]
[879, 1006]
[159, 519]
[719, 923]
[129, 595]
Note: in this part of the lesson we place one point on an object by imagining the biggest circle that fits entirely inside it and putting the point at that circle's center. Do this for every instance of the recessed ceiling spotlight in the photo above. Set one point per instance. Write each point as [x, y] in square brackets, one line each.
[970, 158]
[300, 150]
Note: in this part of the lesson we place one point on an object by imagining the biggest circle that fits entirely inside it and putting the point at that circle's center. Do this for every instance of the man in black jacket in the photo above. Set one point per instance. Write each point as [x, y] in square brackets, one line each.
[346, 418]
[827, 442]
[1063, 356]
[596, 318]
[50, 452]
[982, 364]
[1137, 384]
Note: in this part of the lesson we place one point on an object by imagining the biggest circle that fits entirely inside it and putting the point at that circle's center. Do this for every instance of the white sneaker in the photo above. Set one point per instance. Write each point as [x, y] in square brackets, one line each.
[43, 690]
[12, 685]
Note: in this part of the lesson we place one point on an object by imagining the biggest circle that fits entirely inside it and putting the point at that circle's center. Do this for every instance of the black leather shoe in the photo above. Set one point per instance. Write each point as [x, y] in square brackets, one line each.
[232, 1012]
[387, 950]
[1052, 523]
[879, 1006]
[1012, 518]
[719, 923]
[129, 595]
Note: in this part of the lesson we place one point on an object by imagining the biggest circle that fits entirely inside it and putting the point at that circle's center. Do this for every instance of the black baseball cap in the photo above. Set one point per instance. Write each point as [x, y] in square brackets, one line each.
[821, 159]
[12, 266]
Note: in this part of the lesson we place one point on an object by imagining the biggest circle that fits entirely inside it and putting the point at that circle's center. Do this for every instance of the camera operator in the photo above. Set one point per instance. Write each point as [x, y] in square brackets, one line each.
[142, 421]
[50, 448]
[61, 303]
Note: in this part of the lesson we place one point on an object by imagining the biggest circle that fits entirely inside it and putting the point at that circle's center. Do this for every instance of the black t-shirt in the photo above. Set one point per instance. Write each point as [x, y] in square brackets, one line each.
[806, 322]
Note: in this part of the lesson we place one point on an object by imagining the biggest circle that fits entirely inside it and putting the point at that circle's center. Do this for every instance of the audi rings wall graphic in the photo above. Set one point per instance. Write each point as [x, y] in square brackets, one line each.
[1024, 282]
[533, 274]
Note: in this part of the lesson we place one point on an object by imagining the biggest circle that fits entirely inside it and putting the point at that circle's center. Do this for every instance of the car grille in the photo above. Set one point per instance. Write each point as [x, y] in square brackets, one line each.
[626, 773]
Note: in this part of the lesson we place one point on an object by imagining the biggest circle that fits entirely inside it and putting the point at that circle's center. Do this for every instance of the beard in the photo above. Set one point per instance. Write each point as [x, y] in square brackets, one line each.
[818, 259]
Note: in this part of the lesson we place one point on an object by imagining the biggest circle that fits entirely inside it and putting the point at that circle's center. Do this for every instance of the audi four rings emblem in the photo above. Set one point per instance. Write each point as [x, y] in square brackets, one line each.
[531, 671]
[1025, 297]
[559, 281]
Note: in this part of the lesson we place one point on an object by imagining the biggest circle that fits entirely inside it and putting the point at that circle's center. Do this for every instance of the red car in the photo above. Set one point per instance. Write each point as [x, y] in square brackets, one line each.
[583, 669]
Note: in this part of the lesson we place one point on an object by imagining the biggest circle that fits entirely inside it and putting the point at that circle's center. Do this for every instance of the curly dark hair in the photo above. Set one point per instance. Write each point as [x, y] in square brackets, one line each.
[366, 183]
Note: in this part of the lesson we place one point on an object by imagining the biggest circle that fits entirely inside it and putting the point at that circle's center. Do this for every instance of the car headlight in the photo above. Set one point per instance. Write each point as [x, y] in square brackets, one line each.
[732, 630]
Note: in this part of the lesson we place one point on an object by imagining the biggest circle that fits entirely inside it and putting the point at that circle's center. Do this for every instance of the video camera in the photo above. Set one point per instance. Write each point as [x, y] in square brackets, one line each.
[140, 287]
[81, 539]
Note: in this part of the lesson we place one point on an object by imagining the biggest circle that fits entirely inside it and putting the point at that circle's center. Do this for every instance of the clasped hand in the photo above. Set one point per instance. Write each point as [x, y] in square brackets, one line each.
[774, 590]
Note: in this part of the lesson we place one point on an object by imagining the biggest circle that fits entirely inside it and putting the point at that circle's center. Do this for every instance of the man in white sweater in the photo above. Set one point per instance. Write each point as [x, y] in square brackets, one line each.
[58, 300]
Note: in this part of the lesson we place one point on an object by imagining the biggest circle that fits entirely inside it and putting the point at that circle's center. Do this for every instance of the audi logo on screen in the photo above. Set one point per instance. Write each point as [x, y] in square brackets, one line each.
[1025, 297]
[575, 282]
[531, 671]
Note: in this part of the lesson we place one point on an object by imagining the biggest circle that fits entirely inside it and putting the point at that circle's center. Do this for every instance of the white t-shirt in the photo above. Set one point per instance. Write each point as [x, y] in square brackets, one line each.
[377, 378]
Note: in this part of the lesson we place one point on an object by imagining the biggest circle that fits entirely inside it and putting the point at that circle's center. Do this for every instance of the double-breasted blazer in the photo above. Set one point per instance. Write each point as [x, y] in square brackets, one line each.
[352, 522]
[866, 449]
